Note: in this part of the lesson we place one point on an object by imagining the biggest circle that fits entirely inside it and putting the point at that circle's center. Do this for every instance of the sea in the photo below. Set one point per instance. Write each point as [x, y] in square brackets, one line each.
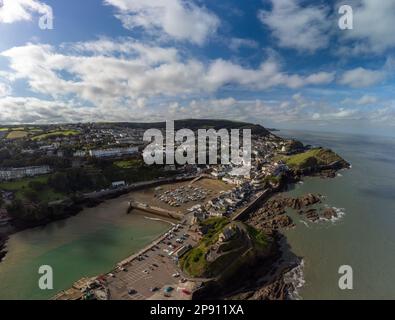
[86, 245]
[363, 235]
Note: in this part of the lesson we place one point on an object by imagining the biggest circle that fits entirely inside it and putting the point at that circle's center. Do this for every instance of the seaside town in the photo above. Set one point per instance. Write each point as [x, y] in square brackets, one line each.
[51, 172]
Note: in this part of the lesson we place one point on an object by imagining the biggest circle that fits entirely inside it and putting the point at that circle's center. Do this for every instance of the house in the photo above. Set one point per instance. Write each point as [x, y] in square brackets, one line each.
[118, 184]
[113, 152]
[227, 233]
[19, 173]
[79, 154]
[4, 217]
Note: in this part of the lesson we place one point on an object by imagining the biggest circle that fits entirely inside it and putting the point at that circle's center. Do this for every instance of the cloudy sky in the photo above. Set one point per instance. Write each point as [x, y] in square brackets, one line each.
[281, 63]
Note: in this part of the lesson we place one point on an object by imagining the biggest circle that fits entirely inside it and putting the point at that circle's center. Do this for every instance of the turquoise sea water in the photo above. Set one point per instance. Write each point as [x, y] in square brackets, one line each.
[88, 244]
[364, 237]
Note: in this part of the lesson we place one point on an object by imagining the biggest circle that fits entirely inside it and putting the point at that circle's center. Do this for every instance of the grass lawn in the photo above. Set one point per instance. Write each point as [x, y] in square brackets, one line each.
[312, 157]
[56, 133]
[17, 134]
[128, 164]
[22, 185]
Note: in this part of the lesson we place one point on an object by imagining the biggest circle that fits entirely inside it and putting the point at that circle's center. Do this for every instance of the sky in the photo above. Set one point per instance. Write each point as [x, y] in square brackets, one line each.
[280, 63]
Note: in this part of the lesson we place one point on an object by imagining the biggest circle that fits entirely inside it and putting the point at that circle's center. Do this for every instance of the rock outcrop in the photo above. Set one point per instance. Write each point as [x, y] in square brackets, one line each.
[3, 252]
[329, 213]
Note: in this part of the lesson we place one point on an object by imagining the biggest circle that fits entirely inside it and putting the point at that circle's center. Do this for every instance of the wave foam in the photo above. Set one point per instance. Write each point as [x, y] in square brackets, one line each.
[295, 278]
[305, 223]
[340, 214]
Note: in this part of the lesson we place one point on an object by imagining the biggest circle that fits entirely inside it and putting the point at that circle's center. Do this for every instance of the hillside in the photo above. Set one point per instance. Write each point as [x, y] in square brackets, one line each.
[313, 159]
[225, 247]
[193, 124]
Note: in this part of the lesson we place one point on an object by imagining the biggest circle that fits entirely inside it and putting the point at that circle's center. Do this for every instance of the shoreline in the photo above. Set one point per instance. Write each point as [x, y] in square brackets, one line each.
[96, 198]
[89, 200]
[282, 261]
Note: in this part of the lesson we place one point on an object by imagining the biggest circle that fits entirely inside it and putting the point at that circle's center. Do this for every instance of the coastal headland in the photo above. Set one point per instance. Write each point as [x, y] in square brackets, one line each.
[217, 218]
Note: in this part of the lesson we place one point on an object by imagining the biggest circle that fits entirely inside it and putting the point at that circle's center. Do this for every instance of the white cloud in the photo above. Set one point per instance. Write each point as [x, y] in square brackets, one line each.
[297, 110]
[178, 19]
[373, 26]
[21, 10]
[34, 110]
[222, 72]
[361, 77]
[141, 71]
[296, 26]
[127, 46]
[237, 43]
[4, 89]
[362, 101]
[366, 99]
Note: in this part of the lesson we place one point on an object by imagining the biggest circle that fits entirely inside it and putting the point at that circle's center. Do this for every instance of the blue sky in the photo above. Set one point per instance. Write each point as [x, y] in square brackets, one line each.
[282, 63]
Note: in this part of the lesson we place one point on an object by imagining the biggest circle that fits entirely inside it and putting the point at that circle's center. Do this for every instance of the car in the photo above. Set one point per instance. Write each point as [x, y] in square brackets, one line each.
[175, 275]
[132, 291]
[154, 289]
[185, 291]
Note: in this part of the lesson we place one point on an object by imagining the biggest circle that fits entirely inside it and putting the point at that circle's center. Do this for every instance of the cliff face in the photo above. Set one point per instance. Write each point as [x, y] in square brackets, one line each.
[226, 247]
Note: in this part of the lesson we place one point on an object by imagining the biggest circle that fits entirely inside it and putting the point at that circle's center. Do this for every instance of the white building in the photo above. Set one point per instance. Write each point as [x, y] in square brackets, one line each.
[79, 154]
[113, 152]
[19, 173]
[118, 184]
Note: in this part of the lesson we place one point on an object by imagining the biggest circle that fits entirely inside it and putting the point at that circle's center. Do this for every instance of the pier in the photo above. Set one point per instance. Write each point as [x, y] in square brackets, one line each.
[155, 210]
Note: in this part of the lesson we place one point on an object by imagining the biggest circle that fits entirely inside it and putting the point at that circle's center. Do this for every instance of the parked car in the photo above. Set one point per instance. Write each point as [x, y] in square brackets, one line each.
[132, 291]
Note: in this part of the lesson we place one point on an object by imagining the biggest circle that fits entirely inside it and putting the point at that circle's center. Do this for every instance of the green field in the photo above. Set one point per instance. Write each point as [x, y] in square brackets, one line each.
[311, 158]
[128, 164]
[64, 133]
[20, 187]
[17, 134]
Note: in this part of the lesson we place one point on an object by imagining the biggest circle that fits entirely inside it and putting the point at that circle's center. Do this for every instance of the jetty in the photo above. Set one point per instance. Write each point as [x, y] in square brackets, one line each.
[155, 210]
